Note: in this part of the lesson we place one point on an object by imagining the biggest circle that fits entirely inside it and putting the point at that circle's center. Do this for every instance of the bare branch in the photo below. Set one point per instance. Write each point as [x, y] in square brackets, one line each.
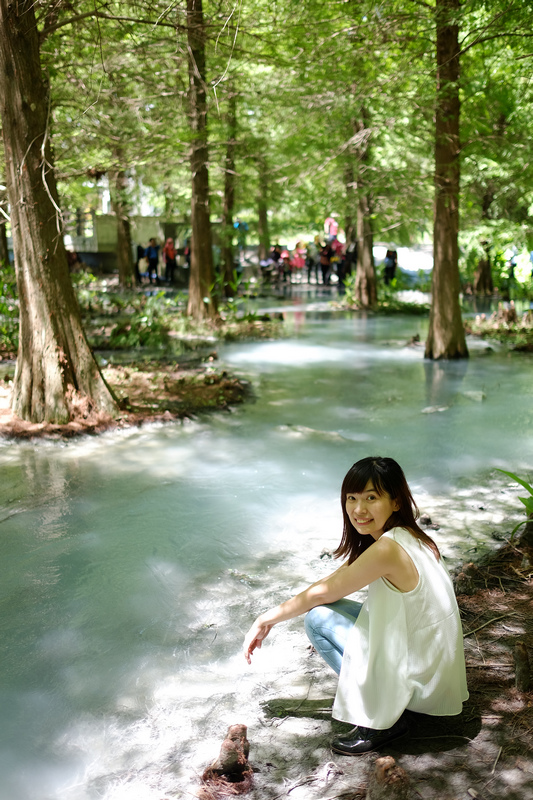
[100, 15]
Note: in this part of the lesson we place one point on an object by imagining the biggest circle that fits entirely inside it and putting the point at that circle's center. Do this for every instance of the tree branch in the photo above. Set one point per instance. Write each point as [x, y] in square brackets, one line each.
[100, 15]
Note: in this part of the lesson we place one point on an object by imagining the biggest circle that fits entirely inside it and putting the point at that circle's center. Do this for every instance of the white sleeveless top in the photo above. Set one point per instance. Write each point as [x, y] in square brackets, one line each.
[406, 648]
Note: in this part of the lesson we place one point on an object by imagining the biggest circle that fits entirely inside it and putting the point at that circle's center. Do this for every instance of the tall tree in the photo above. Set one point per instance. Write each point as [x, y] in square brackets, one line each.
[229, 191]
[262, 206]
[365, 273]
[118, 188]
[446, 337]
[201, 303]
[56, 375]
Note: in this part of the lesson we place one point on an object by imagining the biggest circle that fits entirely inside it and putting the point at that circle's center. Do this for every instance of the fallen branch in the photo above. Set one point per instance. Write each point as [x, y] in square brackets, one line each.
[494, 619]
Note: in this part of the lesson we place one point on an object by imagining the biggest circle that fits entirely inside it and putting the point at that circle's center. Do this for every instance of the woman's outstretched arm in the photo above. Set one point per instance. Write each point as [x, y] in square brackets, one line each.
[380, 560]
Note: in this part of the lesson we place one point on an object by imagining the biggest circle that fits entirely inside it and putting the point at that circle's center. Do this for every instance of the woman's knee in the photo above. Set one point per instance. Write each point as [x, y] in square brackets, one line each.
[316, 618]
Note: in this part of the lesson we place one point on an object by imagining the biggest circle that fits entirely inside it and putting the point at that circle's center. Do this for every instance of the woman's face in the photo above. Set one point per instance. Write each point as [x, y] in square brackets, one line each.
[369, 511]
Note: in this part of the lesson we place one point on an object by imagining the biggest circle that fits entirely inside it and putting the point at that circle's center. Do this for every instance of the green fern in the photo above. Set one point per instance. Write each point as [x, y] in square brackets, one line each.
[527, 501]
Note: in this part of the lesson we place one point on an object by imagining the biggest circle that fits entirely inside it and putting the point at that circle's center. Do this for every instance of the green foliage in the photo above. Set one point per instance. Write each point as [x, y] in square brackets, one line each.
[349, 298]
[147, 326]
[500, 236]
[235, 307]
[9, 326]
[527, 501]
[86, 291]
[322, 81]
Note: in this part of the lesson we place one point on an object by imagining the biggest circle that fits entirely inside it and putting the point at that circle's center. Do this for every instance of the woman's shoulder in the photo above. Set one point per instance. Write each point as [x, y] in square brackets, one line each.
[415, 546]
[389, 545]
[400, 534]
[405, 538]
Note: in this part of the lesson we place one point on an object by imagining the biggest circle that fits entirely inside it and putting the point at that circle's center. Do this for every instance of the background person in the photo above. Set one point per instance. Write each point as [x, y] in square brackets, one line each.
[152, 254]
[169, 258]
[326, 254]
[391, 263]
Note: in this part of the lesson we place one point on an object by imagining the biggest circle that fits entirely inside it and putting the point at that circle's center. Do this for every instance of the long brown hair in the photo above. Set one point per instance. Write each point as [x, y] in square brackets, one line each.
[387, 477]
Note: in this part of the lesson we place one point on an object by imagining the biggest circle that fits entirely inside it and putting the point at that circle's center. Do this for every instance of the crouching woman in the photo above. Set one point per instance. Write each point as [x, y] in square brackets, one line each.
[403, 647]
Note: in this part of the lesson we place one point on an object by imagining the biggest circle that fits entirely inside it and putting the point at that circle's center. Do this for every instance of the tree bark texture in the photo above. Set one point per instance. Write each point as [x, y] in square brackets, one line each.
[262, 209]
[56, 375]
[350, 229]
[201, 303]
[365, 287]
[483, 283]
[365, 273]
[119, 202]
[4, 254]
[229, 195]
[483, 277]
[446, 338]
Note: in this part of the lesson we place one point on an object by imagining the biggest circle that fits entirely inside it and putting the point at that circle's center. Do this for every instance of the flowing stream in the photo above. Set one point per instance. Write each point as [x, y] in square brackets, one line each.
[129, 561]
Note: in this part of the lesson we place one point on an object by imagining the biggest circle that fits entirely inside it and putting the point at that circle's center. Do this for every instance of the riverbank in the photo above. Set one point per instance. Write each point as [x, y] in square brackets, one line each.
[147, 391]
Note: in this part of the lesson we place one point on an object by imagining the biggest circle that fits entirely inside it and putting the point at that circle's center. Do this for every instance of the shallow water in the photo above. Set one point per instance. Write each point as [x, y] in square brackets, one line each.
[129, 561]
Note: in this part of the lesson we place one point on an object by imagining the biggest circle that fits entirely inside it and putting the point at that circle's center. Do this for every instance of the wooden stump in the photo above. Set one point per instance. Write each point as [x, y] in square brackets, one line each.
[230, 774]
[388, 781]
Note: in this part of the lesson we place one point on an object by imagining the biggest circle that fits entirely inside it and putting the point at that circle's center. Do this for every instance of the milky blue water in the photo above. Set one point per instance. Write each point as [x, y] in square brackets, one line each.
[121, 556]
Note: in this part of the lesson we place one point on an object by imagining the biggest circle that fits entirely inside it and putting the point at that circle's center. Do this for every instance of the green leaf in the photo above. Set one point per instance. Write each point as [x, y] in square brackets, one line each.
[528, 502]
[518, 480]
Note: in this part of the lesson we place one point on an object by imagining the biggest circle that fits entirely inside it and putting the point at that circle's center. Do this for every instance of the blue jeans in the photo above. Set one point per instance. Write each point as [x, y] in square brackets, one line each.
[328, 627]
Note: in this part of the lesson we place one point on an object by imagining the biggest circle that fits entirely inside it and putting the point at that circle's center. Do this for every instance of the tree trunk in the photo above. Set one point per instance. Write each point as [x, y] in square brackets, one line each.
[119, 202]
[350, 229]
[201, 303]
[229, 195]
[56, 375]
[446, 338]
[4, 254]
[262, 209]
[365, 287]
[483, 275]
[365, 273]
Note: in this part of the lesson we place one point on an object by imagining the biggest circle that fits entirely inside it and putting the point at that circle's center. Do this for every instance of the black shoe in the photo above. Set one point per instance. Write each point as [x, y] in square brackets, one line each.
[362, 740]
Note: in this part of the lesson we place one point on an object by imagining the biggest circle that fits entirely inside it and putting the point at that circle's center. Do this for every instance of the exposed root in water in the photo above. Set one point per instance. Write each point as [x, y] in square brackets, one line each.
[217, 786]
[230, 774]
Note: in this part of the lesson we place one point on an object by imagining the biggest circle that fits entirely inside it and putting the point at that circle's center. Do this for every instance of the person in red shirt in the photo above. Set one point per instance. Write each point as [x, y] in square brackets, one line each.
[169, 257]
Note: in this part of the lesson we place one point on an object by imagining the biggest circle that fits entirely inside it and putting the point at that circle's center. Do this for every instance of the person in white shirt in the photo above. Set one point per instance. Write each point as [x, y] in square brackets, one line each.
[402, 649]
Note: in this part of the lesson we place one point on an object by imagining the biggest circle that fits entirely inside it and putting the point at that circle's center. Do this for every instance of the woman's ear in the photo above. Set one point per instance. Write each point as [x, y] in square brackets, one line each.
[396, 505]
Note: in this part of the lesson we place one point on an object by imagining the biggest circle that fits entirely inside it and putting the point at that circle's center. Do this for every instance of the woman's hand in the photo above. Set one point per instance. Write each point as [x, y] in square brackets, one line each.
[255, 637]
